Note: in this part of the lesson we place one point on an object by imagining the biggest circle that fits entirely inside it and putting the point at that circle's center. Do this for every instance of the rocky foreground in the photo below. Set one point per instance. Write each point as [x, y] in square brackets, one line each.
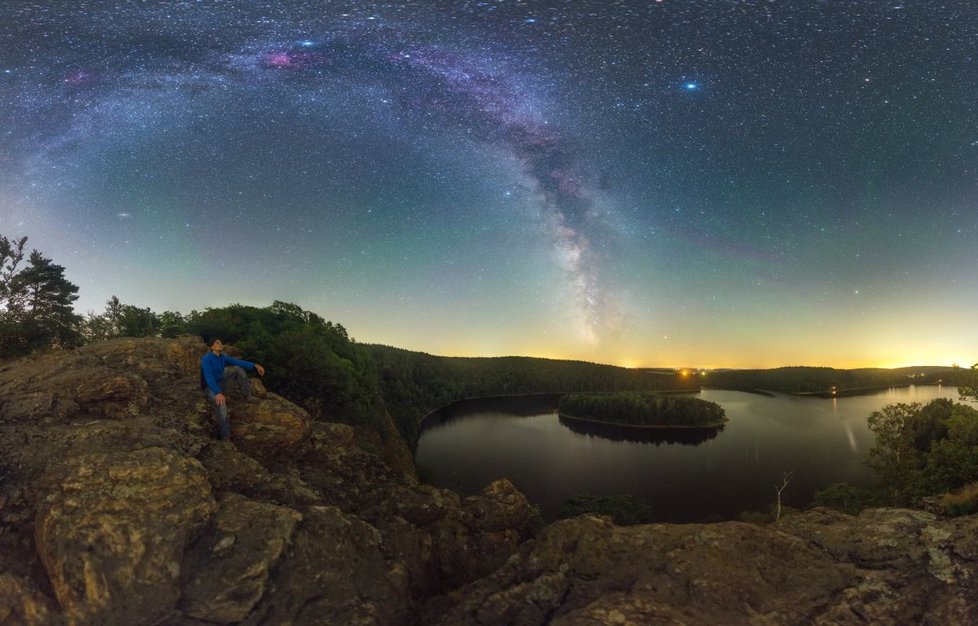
[118, 506]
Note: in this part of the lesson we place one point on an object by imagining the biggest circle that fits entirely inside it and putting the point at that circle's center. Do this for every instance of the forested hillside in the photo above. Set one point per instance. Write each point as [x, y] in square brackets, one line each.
[414, 383]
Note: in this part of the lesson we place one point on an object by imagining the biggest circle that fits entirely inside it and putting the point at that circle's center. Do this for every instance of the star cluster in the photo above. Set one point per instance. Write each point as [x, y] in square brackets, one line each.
[715, 183]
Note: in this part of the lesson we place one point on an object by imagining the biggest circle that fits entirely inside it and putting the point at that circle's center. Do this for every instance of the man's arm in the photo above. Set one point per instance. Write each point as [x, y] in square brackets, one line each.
[246, 364]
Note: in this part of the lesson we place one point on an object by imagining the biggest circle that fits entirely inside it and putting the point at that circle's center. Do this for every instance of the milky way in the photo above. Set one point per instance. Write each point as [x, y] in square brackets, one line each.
[713, 183]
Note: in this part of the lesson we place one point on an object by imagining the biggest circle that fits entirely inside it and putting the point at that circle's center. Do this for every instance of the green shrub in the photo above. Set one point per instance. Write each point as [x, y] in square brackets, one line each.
[963, 502]
[846, 498]
[624, 510]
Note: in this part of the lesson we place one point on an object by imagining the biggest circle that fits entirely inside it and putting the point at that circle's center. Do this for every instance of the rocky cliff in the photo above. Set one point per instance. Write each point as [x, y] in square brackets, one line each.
[118, 506]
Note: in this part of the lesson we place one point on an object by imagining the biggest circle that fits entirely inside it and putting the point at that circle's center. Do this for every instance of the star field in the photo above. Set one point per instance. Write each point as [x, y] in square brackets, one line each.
[712, 183]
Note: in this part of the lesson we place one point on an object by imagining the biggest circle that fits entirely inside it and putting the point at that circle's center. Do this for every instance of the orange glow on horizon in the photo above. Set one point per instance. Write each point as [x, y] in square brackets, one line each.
[668, 363]
[723, 351]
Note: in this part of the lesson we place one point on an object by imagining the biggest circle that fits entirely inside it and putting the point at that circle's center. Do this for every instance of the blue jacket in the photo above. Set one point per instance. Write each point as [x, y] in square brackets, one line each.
[212, 369]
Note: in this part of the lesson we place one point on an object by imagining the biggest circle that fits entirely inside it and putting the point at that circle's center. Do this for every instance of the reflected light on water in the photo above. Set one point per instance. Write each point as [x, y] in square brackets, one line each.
[852, 437]
[847, 426]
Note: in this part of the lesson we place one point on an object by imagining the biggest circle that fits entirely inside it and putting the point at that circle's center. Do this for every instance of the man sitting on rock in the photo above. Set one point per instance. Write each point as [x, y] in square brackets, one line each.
[217, 370]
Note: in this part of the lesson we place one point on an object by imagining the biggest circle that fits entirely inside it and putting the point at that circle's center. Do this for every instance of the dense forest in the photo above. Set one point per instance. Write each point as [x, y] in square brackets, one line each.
[642, 409]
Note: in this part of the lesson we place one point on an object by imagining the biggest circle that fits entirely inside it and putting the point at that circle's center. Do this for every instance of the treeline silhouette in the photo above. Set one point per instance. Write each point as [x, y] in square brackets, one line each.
[825, 379]
[642, 409]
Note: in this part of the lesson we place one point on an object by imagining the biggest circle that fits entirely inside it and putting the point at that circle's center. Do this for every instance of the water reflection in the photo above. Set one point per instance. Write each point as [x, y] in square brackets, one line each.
[509, 406]
[656, 436]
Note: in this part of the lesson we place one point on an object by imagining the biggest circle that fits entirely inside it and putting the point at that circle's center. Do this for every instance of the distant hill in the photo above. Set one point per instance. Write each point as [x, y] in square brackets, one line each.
[800, 379]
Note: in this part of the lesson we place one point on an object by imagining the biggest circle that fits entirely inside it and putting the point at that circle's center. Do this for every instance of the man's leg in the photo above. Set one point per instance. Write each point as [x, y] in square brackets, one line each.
[237, 374]
[221, 413]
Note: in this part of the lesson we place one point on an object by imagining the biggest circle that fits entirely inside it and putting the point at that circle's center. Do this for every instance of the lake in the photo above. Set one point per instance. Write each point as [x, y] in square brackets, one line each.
[706, 478]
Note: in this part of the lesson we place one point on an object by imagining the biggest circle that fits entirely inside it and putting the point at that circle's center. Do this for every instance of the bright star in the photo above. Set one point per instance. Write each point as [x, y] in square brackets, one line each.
[691, 86]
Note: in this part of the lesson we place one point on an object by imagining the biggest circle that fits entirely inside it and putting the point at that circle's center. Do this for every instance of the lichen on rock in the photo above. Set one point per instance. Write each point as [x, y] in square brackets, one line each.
[111, 529]
[227, 569]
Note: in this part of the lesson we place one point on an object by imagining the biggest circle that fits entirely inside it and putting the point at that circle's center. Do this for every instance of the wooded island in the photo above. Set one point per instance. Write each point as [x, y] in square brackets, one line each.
[642, 409]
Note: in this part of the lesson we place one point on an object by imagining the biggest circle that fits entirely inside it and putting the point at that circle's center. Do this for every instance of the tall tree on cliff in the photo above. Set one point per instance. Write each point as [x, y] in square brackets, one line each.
[11, 255]
[35, 302]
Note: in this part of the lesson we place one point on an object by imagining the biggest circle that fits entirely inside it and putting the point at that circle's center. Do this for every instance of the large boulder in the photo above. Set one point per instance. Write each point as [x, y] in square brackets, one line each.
[115, 379]
[917, 568]
[445, 541]
[474, 540]
[886, 566]
[442, 540]
[111, 529]
[589, 571]
[230, 469]
[227, 570]
[335, 573]
[267, 427]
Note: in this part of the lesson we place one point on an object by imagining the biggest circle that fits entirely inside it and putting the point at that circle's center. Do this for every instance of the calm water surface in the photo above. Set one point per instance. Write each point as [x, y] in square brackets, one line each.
[821, 441]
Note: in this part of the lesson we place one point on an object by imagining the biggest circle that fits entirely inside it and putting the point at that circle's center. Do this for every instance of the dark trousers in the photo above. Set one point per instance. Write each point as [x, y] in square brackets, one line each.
[231, 373]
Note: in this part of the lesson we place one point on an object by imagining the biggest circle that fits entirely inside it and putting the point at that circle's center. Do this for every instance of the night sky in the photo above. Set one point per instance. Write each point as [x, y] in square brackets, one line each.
[673, 183]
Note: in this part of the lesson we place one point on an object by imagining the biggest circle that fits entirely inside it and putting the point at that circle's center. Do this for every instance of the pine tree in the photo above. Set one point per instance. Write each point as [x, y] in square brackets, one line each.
[37, 302]
[11, 254]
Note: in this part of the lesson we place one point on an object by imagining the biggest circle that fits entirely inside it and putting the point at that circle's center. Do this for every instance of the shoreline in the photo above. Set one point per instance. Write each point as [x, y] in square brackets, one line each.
[859, 391]
[843, 393]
